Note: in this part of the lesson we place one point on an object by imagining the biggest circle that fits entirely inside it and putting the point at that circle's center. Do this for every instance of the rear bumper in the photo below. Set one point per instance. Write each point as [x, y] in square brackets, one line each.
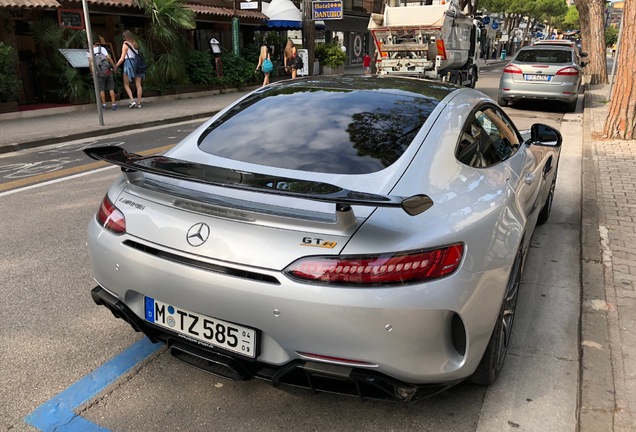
[430, 333]
[314, 376]
[564, 92]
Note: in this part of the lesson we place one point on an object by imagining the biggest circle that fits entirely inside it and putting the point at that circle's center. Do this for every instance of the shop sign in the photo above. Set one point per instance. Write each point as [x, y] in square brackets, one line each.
[326, 10]
[71, 18]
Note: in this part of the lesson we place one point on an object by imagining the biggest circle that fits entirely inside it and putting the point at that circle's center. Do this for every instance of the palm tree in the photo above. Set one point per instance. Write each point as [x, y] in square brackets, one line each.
[166, 39]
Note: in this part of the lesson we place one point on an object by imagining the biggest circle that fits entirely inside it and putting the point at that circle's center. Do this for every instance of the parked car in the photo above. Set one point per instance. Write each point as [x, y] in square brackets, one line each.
[358, 235]
[543, 72]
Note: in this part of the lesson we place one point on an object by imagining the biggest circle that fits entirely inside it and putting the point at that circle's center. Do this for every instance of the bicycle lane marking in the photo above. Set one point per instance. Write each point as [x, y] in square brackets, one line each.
[58, 412]
[60, 173]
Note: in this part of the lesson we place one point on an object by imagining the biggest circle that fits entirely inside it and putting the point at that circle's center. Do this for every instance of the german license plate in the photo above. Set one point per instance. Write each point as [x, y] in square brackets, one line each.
[538, 77]
[205, 329]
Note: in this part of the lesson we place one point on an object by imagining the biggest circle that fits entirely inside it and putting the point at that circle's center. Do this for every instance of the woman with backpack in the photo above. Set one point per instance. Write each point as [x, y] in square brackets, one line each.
[131, 59]
[265, 63]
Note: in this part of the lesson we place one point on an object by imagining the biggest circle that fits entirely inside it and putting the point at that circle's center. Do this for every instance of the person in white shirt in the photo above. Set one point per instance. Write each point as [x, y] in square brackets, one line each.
[104, 83]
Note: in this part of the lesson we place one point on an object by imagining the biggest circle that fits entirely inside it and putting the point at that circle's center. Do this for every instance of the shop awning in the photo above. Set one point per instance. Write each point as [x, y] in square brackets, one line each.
[282, 15]
[30, 4]
[226, 12]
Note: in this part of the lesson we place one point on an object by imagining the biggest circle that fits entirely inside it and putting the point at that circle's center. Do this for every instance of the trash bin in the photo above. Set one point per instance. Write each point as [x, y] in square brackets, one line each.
[503, 54]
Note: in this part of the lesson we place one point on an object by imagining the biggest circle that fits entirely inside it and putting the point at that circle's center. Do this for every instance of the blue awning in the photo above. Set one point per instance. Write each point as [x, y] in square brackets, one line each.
[284, 24]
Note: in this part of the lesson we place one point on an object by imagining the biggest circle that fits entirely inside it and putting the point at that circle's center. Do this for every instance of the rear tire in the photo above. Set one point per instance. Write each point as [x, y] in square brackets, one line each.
[502, 102]
[571, 106]
[547, 207]
[491, 363]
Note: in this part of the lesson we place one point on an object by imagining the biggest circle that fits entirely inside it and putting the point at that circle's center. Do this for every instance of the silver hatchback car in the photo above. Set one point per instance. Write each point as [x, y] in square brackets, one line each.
[545, 72]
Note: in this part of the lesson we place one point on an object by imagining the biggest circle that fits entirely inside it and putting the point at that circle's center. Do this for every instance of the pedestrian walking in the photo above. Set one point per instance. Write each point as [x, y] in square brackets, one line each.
[292, 61]
[105, 74]
[129, 57]
[366, 64]
[265, 64]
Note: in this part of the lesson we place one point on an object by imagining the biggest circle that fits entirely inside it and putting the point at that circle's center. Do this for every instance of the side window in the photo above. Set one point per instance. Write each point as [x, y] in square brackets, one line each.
[487, 139]
[471, 145]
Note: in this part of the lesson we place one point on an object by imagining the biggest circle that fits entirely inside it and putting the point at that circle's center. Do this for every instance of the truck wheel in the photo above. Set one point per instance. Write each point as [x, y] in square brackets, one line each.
[502, 102]
[473, 78]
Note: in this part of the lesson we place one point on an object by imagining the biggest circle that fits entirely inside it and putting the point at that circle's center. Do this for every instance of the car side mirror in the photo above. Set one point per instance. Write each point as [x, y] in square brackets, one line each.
[541, 134]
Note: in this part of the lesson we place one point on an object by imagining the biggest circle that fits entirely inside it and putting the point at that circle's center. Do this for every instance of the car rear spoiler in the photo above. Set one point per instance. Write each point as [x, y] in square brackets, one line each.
[249, 181]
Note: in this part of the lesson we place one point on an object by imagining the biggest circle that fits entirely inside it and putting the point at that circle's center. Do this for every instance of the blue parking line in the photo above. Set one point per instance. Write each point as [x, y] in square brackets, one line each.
[58, 413]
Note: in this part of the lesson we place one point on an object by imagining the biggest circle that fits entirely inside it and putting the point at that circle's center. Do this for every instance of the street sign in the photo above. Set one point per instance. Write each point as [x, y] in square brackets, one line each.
[485, 20]
[495, 24]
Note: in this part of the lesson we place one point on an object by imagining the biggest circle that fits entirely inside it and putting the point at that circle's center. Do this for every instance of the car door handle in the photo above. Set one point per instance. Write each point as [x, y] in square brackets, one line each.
[529, 178]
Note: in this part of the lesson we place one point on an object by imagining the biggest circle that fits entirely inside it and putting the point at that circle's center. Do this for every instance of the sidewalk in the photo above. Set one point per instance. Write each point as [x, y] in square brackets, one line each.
[608, 316]
[30, 129]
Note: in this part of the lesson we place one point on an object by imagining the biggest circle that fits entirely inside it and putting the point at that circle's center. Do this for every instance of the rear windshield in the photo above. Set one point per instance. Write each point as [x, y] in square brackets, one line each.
[331, 130]
[546, 55]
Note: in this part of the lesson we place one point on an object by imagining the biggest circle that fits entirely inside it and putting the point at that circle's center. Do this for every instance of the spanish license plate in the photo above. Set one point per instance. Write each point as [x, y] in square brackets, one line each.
[538, 77]
[204, 329]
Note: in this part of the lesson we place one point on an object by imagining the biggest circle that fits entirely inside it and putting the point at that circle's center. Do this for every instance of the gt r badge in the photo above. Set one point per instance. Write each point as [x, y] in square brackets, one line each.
[317, 242]
[198, 234]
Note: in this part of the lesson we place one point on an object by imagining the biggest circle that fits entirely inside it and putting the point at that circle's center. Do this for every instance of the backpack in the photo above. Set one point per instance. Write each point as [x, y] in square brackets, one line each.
[298, 62]
[104, 69]
[140, 64]
[268, 66]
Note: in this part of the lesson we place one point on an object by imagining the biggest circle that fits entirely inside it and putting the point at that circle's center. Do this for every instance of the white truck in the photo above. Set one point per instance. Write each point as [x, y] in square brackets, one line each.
[434, 40]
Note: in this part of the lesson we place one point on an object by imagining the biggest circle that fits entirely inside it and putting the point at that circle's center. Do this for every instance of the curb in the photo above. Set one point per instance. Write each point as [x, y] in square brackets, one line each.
[8, 148]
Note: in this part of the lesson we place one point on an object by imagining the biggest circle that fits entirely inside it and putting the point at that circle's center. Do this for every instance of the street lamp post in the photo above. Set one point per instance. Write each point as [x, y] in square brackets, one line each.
[91, 58]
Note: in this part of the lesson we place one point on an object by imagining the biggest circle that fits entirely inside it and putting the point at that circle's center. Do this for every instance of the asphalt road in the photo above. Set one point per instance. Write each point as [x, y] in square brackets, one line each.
[86, 370]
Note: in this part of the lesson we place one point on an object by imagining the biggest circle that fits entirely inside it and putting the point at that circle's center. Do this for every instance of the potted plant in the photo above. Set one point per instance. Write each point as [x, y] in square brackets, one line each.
[9, 82]
[332, 59]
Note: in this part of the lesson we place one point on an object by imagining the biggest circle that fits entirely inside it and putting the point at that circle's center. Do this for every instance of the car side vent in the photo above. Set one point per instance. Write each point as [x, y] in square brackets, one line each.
[200, 264]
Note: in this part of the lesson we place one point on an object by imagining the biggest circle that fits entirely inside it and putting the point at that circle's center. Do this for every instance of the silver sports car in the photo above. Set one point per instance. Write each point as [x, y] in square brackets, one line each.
[358, 235]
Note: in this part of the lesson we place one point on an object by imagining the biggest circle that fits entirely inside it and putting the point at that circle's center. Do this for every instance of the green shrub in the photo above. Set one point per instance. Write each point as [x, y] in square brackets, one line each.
[330, 55]
[199, 68]
[237, 71]
[9, 82]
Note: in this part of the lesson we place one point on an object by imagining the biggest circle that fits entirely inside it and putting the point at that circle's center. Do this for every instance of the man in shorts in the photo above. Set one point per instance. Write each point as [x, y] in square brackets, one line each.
[366, 64]
[105, 83]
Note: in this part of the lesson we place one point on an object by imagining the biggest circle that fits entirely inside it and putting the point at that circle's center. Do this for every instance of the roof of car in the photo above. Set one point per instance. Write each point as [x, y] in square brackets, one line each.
[416, 86]
[568, 43]
[547, 46]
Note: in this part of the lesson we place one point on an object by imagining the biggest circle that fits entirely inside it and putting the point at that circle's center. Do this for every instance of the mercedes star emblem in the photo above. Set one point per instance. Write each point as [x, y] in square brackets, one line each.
[198, 234]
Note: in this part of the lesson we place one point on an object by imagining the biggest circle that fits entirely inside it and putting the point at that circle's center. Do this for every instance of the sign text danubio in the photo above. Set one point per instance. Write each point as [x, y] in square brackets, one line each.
[327, 10]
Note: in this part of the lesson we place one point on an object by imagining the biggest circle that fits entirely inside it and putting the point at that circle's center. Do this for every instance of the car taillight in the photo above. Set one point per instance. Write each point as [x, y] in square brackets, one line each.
[384, 269]
[512, 69]
[110, 217]
[568, 71]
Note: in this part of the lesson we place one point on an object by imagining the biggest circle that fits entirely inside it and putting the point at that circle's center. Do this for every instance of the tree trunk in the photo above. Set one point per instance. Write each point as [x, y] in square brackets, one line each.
[584, 24]
[596, 68]
[309, 38]
[621, 121]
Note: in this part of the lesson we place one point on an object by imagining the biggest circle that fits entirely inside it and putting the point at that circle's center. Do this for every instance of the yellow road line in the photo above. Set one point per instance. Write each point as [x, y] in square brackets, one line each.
[69, 171]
